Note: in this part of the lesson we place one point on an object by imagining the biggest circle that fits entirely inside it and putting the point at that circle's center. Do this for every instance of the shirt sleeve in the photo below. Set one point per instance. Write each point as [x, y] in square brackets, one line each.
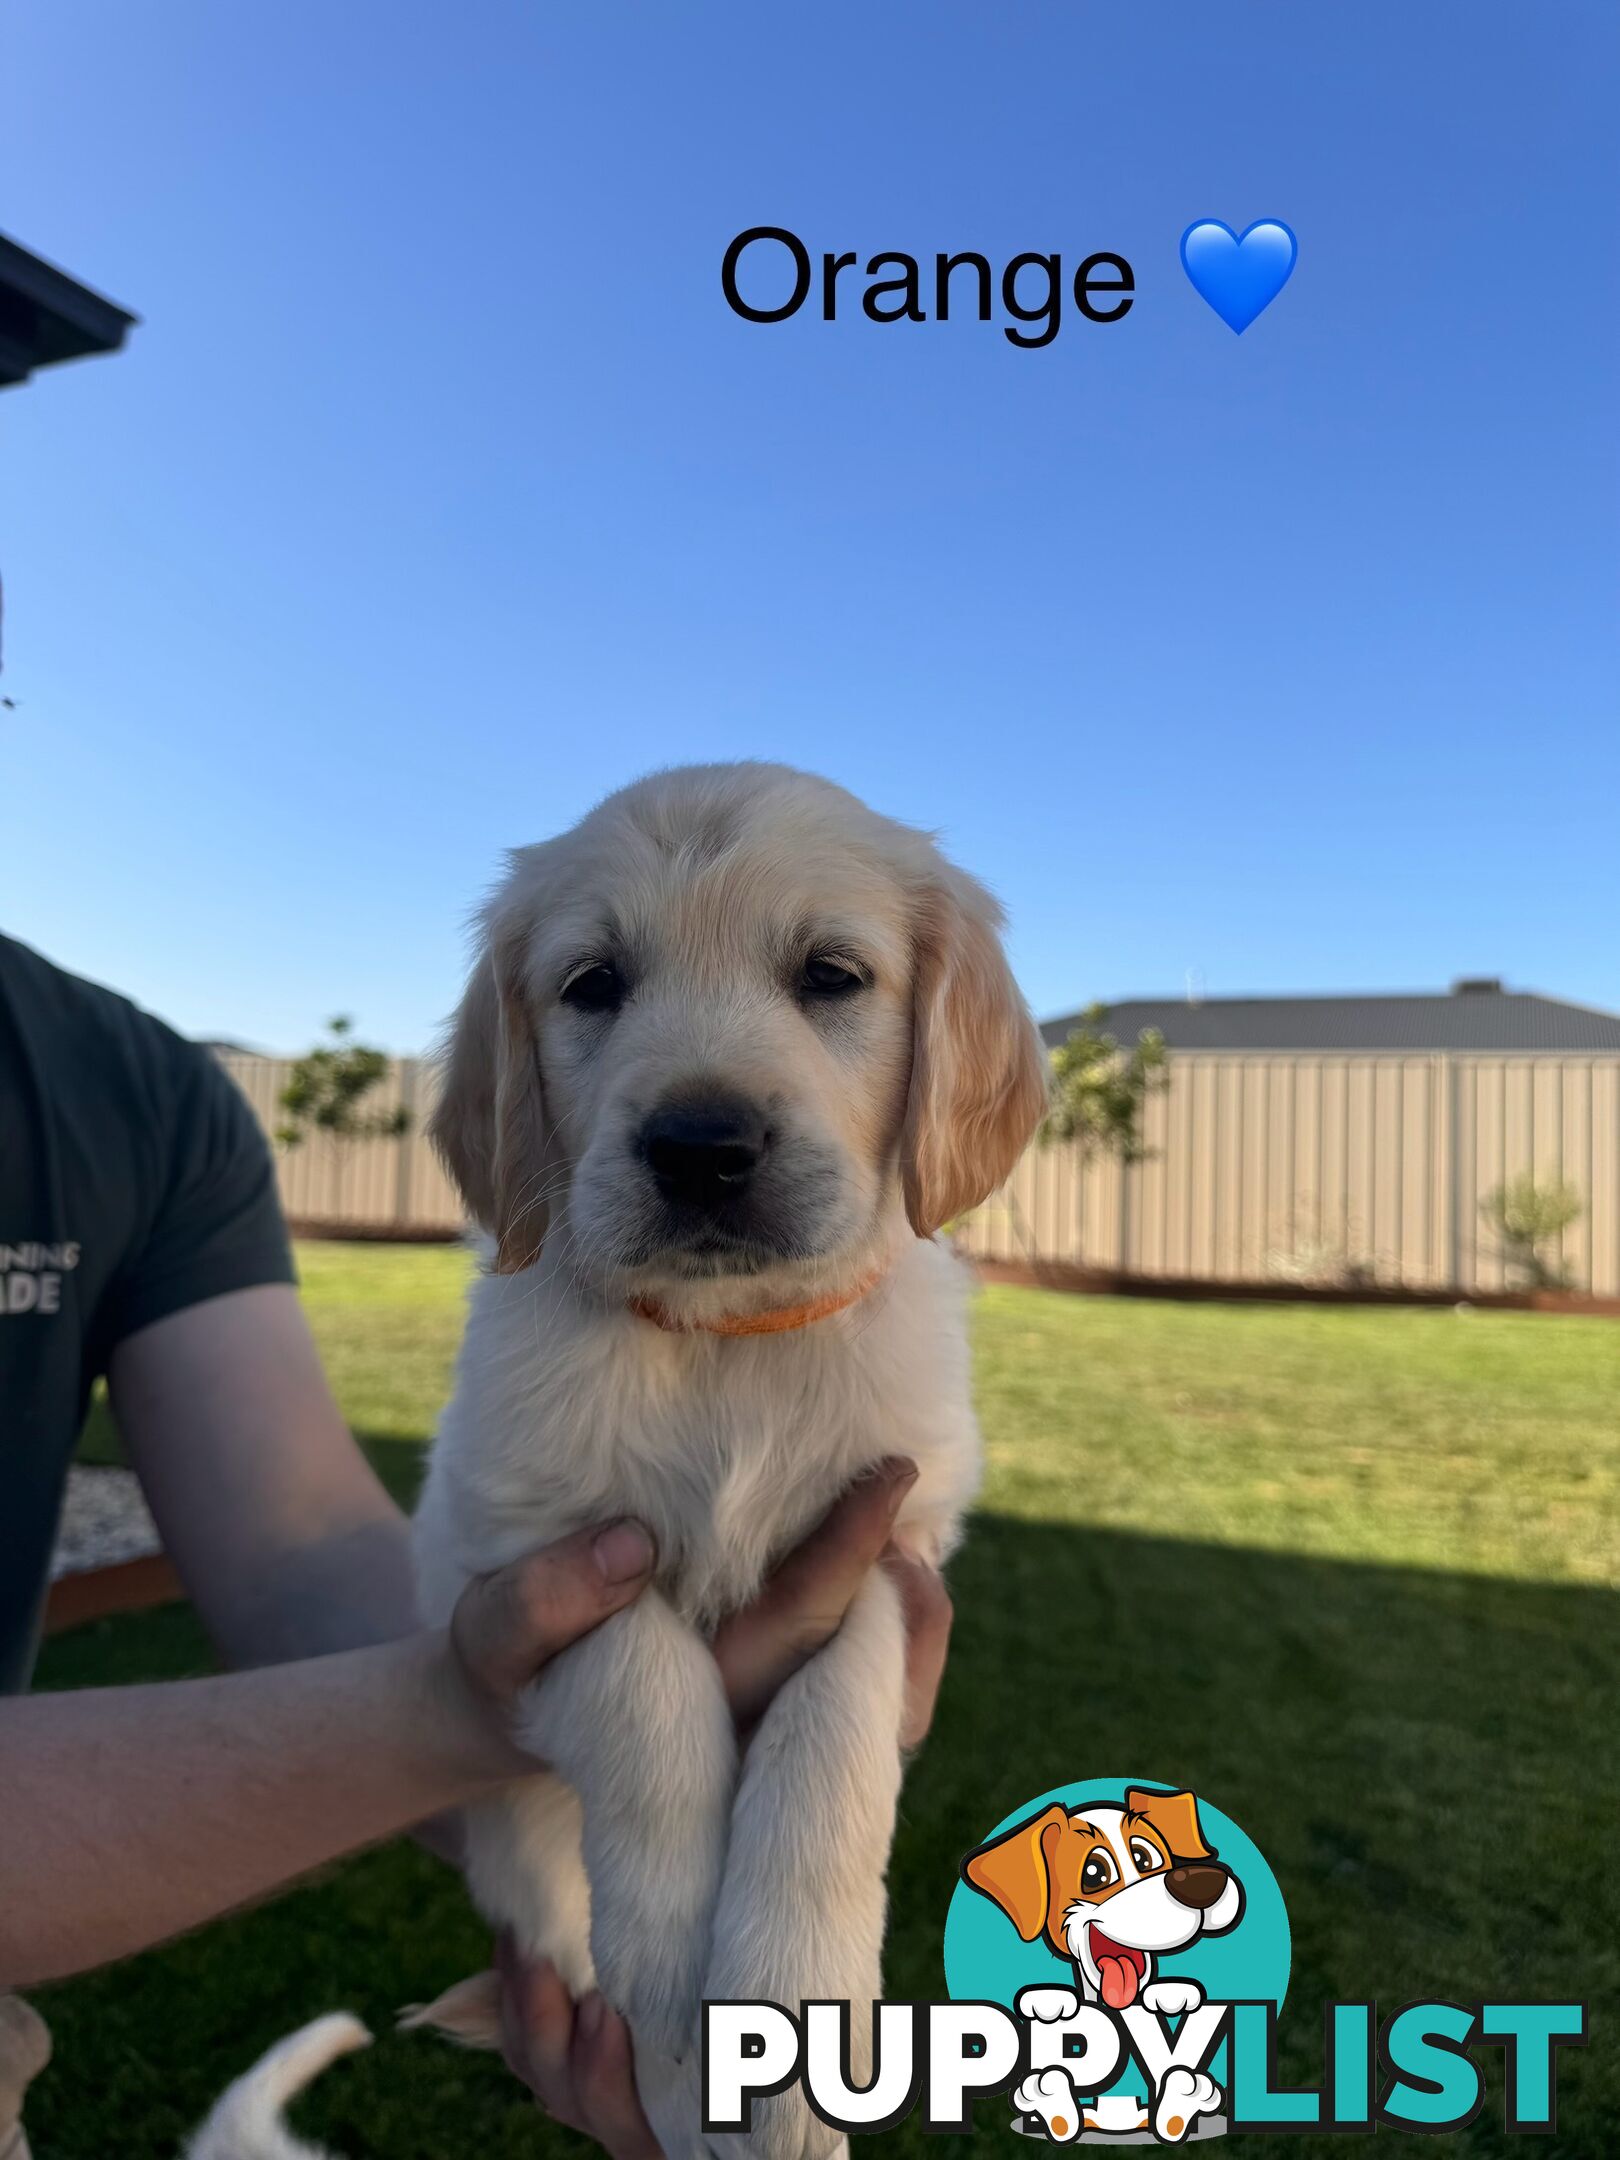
[218, 1225]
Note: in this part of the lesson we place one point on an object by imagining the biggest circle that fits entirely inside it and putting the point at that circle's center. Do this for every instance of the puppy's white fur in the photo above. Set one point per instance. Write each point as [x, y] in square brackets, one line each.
[246, 2122]
[644, 1862]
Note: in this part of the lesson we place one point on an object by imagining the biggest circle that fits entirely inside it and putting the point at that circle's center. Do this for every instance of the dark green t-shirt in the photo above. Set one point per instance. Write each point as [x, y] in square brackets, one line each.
[134, 1181]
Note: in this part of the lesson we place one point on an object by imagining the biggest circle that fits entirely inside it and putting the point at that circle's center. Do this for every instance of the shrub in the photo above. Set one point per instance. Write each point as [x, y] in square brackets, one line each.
[1526, 1216]
[1100, 1091]
[326, 1096]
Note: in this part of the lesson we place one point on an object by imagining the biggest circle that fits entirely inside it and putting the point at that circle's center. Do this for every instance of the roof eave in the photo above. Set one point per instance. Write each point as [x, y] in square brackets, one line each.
[49, 317]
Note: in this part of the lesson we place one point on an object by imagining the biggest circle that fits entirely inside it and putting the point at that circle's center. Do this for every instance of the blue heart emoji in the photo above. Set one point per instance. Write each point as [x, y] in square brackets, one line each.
[1239, 274]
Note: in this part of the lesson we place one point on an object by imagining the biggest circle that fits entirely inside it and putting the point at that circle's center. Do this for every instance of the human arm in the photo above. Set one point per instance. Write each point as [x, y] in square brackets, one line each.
[279, 1528]
[130, 1814]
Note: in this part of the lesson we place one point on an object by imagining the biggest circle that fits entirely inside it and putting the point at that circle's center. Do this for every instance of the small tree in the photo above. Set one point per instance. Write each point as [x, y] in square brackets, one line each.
[1526, 1216]
[326, 1096]
[1099, 1091]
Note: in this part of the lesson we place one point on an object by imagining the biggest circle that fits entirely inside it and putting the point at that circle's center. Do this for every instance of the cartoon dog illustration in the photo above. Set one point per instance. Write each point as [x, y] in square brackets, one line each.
[1113, 1889]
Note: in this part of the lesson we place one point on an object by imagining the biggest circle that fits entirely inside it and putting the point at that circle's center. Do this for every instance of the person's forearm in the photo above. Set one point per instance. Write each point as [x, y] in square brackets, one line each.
[128, 1815]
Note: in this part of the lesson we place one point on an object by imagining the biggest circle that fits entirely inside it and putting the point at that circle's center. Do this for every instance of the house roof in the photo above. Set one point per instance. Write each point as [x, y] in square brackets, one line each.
[1475, 1016]
[46, 316]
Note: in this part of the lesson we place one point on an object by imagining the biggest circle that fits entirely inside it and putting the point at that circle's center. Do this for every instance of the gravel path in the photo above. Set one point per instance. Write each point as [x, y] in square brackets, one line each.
[104, 1520]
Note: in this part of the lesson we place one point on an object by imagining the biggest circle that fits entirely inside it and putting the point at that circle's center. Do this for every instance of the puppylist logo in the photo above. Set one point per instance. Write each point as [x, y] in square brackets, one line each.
[768, 275]
[1116, 1958]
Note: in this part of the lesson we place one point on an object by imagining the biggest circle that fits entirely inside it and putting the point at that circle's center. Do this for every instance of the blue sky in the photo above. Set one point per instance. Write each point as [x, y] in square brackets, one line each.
[439, 491]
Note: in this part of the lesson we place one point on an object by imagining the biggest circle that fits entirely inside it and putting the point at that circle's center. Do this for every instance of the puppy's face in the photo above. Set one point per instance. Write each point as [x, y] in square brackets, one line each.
[725, 1038]
[709, 1039]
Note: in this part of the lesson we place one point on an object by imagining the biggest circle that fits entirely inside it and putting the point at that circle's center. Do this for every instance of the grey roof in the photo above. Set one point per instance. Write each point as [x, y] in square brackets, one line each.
[1478, 1019]
[46, 316]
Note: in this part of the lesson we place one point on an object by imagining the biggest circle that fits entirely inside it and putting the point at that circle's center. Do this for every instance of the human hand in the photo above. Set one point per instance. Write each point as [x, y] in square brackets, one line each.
[801, 1604]
[574, 2057]
[508, 1625]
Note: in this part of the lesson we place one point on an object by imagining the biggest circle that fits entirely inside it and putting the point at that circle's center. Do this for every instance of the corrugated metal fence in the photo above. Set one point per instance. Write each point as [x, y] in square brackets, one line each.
[393, 1183]
[1330, 1169]
[1320, 1168]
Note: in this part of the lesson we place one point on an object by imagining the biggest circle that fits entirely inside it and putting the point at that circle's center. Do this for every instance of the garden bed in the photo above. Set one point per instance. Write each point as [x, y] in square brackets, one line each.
[1116, 1282]
[375, 1233]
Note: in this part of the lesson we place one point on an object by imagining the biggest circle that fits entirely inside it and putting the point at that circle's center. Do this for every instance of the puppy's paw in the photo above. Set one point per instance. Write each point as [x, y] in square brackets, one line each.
[1172, 1998]
[1047, 2005]
[1183, 2097]
[672, 2100]
[469, 2012]
[784, 2127]
[1049, 2095]
[658, 1987]
[650, 1931]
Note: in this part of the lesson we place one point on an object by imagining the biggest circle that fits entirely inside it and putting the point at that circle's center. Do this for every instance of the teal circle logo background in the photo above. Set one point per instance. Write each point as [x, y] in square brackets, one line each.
[985, 1961]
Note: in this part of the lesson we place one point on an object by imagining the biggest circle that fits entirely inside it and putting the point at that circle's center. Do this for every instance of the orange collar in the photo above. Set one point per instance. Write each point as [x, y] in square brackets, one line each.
[780, 1322]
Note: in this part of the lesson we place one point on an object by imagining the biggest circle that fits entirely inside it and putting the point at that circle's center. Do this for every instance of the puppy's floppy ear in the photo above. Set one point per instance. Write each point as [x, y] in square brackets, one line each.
[1014, 1870]
[978, 1067]
[1175, 1816]
[490, 1122]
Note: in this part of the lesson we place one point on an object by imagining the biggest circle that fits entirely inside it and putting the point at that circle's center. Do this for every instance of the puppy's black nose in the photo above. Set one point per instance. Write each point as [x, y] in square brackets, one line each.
[1197, 1886]
[704, 1154]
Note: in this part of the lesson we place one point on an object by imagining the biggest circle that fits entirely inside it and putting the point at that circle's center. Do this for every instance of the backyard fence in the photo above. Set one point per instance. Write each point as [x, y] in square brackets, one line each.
[1330, 1169]
[395, 1183]
[1315, 1169]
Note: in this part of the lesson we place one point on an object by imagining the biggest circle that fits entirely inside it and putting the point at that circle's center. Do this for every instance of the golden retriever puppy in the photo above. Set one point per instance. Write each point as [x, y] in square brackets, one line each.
[733, 1051]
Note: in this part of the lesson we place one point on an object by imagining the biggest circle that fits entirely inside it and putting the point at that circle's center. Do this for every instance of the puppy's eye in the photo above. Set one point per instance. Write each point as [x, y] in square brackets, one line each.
[598, 989]
[825, 978]
[1098, 1872]
[1147, 1858]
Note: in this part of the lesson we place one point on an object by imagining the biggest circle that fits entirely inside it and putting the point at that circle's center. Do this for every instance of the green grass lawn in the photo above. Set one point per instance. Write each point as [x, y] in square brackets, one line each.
[1349, 1573]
